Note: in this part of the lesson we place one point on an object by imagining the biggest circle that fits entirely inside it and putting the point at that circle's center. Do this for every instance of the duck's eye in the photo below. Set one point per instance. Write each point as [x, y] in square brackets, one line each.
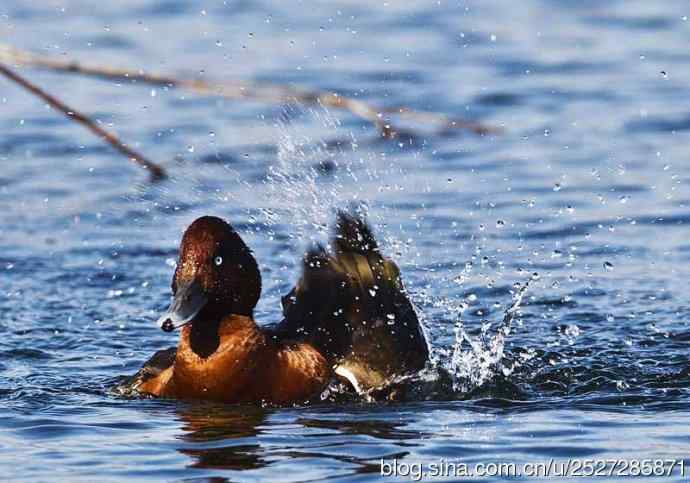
[218, 261]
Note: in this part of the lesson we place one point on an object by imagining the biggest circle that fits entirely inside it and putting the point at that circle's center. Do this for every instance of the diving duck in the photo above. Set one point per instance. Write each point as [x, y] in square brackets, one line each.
[347, 317]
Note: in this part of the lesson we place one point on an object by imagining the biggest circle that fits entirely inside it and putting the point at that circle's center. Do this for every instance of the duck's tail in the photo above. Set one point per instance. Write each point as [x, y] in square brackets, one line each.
[351, 304]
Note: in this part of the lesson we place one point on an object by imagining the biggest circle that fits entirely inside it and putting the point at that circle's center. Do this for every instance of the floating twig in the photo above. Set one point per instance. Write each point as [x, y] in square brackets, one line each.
[271, 93]
[156, 172]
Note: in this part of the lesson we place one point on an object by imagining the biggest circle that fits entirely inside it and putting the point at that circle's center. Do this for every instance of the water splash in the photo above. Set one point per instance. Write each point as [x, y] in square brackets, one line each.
[314, 176]
[474, 361]
[305, 200]
[453, 371]
[296, 184]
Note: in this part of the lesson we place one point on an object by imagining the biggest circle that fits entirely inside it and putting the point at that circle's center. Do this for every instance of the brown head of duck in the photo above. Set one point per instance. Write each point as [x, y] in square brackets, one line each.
[216, 275]
[222, 354]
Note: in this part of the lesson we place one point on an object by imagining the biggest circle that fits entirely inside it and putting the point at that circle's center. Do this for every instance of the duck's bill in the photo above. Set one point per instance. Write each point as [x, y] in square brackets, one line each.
[187, 303]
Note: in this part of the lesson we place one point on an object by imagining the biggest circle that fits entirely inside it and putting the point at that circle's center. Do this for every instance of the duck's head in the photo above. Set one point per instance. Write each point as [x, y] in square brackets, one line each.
[216, 275]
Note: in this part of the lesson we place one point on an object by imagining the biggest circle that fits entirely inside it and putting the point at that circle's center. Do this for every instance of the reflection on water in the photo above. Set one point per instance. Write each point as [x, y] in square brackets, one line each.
[216, 436]
[355, 441]
[207, 425]
[206, 422]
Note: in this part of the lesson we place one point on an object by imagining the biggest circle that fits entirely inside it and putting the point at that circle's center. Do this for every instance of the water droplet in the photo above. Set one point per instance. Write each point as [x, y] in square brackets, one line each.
[572, 330]
[500, 224]
[557, 187]
[608, 266]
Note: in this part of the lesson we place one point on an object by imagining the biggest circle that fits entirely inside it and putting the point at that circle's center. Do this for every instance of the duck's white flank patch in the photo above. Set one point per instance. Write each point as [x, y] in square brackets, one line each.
[343, 372]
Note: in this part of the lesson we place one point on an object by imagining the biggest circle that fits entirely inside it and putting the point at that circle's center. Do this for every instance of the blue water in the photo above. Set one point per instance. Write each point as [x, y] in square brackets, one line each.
[586, 185]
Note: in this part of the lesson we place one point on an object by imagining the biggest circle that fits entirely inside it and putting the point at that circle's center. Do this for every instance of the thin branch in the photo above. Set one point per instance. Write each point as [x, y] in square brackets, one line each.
[271, 93]
[448, 122]
[156, 172]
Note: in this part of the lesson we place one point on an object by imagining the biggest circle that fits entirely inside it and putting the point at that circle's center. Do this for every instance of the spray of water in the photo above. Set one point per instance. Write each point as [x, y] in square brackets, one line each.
[474, 361]
[299, 192]
[307, 201]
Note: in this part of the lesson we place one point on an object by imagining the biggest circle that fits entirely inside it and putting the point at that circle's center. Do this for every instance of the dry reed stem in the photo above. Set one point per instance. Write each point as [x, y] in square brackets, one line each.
[155, 171]
[271, 93]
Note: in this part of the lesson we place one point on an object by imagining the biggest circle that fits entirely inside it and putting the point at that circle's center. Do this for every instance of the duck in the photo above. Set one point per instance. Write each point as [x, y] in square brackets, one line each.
[351, 305]
[348, 318]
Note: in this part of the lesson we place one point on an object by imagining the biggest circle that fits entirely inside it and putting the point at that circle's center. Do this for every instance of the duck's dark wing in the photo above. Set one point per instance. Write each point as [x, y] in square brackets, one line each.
[352, 306]
[159, 362]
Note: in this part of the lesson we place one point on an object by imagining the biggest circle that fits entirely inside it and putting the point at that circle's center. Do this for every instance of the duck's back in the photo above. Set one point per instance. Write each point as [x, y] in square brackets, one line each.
[351, 305]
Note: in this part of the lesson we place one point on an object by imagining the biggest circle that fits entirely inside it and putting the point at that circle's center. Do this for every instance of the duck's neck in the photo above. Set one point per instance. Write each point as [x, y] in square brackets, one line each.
[206, 334]
[203, 337]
